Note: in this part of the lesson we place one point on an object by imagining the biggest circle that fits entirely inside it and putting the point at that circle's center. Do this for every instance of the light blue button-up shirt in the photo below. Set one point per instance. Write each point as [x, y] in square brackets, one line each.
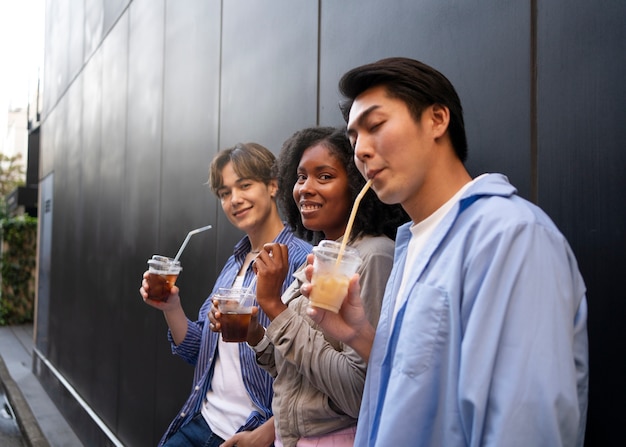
[489, 346]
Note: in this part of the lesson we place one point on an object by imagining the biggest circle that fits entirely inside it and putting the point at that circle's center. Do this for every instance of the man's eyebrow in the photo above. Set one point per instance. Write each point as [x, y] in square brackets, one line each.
[244, 179]
[362, 117]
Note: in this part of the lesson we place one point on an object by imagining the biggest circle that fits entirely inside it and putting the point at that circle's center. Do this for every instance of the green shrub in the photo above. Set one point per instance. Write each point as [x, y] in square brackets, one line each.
[17, 269]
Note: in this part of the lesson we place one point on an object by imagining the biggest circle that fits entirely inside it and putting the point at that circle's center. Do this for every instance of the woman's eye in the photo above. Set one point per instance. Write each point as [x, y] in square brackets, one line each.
[222, 195]
[325, 177]
[300, 178]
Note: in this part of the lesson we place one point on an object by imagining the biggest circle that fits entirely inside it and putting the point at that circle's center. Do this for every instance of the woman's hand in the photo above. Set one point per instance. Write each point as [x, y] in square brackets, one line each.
[262, 436]
[271, 267]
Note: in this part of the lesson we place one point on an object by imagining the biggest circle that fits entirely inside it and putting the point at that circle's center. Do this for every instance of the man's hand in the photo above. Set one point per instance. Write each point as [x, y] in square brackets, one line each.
[172, 301]
[350, 325]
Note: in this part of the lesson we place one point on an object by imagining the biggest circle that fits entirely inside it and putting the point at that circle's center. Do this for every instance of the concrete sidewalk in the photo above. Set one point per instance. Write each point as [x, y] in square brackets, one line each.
[38, 417]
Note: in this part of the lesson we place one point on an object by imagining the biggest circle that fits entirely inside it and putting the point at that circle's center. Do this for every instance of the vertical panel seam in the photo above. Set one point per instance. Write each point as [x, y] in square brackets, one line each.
[534, 177]
[127, 12]
[218, 136]
[159, 202]
[162, 119]
[319, 58]
[219, 75]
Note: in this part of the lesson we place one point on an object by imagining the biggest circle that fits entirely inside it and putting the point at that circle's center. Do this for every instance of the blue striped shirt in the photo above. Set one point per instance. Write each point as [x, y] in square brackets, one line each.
[200, 345]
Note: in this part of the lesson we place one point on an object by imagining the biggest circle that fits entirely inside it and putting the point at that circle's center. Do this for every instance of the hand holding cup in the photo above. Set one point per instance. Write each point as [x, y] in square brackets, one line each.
[162, 275]
[234, 309]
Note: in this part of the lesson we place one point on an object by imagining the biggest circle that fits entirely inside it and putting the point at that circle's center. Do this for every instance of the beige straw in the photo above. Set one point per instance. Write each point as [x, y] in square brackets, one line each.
[346, 235]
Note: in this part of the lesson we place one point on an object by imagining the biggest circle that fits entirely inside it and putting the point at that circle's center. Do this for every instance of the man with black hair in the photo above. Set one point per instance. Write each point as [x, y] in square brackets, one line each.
[482, 338]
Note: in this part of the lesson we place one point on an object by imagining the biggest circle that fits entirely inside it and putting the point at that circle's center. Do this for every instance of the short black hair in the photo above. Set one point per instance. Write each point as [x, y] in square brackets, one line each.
[416, 84]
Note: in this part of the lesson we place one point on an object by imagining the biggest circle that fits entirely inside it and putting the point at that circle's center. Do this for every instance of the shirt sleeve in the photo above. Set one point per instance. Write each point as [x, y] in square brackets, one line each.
[189, 349]
[523, 360]
[265, 359]
[334, 369]
[374, 273]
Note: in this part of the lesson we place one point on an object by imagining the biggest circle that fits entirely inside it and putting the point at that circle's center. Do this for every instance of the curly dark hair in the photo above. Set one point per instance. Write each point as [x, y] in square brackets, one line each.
[374, 218]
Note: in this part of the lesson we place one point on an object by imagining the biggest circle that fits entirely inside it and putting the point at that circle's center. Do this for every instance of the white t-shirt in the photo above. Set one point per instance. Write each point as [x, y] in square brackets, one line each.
[420, 233]
[227, 404]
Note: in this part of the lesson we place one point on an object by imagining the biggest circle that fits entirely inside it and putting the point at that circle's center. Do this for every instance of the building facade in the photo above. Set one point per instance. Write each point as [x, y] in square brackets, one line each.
[139, 95]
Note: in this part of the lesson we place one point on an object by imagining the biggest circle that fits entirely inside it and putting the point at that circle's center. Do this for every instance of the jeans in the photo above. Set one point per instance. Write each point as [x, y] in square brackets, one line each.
[195, 433]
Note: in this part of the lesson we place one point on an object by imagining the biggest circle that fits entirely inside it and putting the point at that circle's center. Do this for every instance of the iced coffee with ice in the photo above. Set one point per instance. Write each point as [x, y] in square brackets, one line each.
[162, 275]
[332, 270]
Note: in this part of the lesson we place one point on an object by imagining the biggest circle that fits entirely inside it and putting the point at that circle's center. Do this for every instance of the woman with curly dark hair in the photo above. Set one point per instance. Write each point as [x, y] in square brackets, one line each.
[374, 217]
[319, 381]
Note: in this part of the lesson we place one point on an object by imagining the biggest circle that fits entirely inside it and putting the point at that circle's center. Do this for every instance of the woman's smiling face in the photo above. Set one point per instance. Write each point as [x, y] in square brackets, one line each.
[322, 192]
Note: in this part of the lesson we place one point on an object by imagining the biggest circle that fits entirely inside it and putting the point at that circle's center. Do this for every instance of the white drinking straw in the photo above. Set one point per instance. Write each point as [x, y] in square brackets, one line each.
[253, 282]
[251, 285]
[191, 233]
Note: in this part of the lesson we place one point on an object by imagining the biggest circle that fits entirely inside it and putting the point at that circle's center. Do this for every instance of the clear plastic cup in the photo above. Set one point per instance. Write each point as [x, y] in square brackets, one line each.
[330, 279]
[163, 272]
[235, 306]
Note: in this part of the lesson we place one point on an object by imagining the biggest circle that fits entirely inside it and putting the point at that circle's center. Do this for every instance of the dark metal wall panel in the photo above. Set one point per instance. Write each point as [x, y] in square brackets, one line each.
[190, 139]
[49, 136]
[484, 49]
[113, 288]
[64, 294]
[86, 184]
[76, 29]
[113, 9]
[581, 165]
[269, 71]
[96, 271]
[268, 79]
[56, 67]
[94, 20]
[142, 209]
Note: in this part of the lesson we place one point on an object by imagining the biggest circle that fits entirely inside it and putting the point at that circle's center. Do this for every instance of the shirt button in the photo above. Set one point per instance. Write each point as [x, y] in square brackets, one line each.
[182, 415]
[197, 388]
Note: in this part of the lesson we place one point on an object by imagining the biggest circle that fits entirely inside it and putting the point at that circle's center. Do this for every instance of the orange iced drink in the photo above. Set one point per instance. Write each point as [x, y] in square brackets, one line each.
[329, 291]
[334, 264]
[330, 276]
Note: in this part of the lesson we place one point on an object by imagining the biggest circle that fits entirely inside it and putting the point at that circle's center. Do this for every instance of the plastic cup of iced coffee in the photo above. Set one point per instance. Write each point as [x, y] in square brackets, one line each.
[235, 307]
[162, 275]
[330, 278]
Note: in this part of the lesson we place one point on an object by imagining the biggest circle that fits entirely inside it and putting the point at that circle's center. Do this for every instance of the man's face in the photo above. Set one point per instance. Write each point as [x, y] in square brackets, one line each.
[247, 203]
[391, 147]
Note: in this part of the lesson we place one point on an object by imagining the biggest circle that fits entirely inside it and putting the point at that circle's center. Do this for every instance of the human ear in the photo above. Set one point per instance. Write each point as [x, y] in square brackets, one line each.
[273, 188]
[440, 119]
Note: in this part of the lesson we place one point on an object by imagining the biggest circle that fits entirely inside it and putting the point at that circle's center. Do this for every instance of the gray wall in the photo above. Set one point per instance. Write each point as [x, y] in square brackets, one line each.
[139, 95]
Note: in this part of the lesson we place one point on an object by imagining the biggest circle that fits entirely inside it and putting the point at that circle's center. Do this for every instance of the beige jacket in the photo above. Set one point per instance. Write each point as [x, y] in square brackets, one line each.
[319, 381]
